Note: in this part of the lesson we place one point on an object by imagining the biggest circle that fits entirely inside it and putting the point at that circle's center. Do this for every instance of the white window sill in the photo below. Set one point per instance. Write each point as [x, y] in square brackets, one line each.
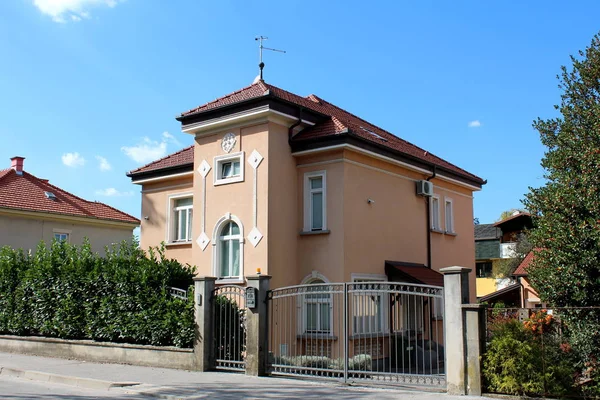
[450, 233]
[434, 230]
[226, 181]
[310, 233]
[229, 281]
[180, 243]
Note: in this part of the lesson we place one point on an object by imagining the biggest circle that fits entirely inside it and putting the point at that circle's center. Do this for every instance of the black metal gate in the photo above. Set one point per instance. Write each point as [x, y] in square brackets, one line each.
[229, 322]
[368, 331]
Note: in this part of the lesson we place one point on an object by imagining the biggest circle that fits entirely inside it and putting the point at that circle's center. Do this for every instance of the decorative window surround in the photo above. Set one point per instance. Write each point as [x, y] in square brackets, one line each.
[449, 216]
[229, 168]
[315, 195]
[434, 212]
[221, 223]
[172, 220]
[320, 306]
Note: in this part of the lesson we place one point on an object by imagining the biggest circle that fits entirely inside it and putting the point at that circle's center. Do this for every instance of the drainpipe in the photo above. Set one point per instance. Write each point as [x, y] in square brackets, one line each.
[428, 213]
[291, 128]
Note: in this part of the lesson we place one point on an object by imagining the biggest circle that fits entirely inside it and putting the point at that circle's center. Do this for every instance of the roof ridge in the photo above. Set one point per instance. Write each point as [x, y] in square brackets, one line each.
[160, 159]
[39, 181]
[193, 110]
[86, 202]
[425, 152]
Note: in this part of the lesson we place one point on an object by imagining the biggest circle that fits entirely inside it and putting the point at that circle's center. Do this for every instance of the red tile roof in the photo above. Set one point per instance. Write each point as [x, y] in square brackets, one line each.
[522, 268]
[182, 157]
[340, 121]
[27, 193]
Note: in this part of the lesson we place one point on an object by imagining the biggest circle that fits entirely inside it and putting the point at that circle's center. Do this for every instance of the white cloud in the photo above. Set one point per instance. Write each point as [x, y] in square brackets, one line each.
[104, 164]
[112, 192]
[149, 150]
[75, 10]
[474, 124]
[73, 160]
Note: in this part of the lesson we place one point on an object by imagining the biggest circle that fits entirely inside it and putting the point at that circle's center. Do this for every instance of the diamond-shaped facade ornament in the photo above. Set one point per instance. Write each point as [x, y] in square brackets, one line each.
[203, 241]
[204, 168]
[254, 236]
[255, 159]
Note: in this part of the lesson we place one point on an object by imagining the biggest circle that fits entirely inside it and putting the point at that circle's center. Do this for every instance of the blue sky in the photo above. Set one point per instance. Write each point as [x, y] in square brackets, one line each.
[90, 88]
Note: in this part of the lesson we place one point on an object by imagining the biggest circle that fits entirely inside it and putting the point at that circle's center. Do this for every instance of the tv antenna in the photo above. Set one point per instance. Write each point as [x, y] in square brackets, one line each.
[260, 52]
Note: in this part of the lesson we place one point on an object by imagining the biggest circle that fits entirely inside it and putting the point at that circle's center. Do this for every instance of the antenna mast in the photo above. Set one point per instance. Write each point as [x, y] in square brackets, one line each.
[261, 65]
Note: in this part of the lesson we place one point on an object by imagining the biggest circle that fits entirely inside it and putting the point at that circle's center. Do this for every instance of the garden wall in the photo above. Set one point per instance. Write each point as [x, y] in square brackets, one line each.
[88, 350]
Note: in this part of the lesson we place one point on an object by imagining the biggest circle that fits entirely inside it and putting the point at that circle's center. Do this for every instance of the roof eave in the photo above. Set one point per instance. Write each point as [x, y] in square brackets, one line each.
[160, 172]
[329, 140]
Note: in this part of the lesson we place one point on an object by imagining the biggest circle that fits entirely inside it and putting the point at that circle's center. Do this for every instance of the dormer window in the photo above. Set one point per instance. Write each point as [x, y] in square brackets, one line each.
[229, 168]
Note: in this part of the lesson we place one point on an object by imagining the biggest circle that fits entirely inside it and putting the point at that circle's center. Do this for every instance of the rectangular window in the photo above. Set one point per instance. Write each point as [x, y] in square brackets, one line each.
[484, 269]
[435, 213]
[61, 237]
[449, 215]
[318, 312]
[181, 219]
[229, 168]
[315, 202]
[368, 306]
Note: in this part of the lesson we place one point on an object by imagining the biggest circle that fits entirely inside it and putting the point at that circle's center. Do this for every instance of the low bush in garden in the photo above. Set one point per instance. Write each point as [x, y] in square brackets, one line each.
[70, 292]
[360, 362]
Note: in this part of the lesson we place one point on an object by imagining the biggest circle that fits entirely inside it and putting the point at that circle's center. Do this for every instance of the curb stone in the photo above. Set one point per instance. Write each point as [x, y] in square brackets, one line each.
[87, 383]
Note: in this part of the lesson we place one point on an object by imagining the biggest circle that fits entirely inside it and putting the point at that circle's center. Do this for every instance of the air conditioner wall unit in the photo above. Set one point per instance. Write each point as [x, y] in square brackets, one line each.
[424, 188]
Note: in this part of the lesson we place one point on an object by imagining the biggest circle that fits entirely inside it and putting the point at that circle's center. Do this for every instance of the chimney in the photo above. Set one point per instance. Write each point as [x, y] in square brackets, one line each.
[17, 164]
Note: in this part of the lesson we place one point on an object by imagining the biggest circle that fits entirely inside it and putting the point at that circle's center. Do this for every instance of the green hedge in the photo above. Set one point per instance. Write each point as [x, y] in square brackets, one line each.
[70, 292]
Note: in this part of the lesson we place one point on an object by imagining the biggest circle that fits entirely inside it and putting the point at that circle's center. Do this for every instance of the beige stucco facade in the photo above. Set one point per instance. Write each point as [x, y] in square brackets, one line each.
[372, 211]
[22, 230]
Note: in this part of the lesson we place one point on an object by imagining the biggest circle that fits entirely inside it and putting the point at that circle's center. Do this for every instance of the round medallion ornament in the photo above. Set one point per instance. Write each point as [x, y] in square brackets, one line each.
[228, 142]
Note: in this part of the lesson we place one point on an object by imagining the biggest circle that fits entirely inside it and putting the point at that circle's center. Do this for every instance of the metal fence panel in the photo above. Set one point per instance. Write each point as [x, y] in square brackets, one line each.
[373, 331]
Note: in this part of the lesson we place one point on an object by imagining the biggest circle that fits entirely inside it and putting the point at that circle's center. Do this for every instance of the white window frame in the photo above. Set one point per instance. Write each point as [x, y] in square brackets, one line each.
[216, 262]
[449, 218]
[171, 228]
[61, 232]
[303, 324]
[218, 162]
[366, 278]
[435, 216]
[308, 200]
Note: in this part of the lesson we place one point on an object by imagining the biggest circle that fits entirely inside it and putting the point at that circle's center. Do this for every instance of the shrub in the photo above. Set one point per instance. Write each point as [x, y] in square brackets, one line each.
[70, 292]
[528, 359]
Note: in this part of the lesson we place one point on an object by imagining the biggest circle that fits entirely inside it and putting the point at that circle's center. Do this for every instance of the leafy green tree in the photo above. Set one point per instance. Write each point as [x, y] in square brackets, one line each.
[566, 211]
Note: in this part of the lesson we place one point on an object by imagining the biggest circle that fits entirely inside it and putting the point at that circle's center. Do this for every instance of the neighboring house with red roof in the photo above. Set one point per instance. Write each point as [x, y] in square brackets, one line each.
[32, 209]
[308, 193]
[495, 243]
[529, 296]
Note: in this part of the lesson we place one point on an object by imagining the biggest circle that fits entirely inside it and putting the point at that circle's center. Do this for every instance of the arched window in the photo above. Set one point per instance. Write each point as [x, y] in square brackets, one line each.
[229, 250]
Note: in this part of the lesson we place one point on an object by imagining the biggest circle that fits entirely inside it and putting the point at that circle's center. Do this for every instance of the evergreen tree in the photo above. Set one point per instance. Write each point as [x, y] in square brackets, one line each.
[566, 211]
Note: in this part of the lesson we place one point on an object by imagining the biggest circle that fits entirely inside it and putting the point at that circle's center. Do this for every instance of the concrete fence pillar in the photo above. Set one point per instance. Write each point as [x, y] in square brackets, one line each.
[456, 293]
[474, 325]
[257, 326]
[203, 343]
